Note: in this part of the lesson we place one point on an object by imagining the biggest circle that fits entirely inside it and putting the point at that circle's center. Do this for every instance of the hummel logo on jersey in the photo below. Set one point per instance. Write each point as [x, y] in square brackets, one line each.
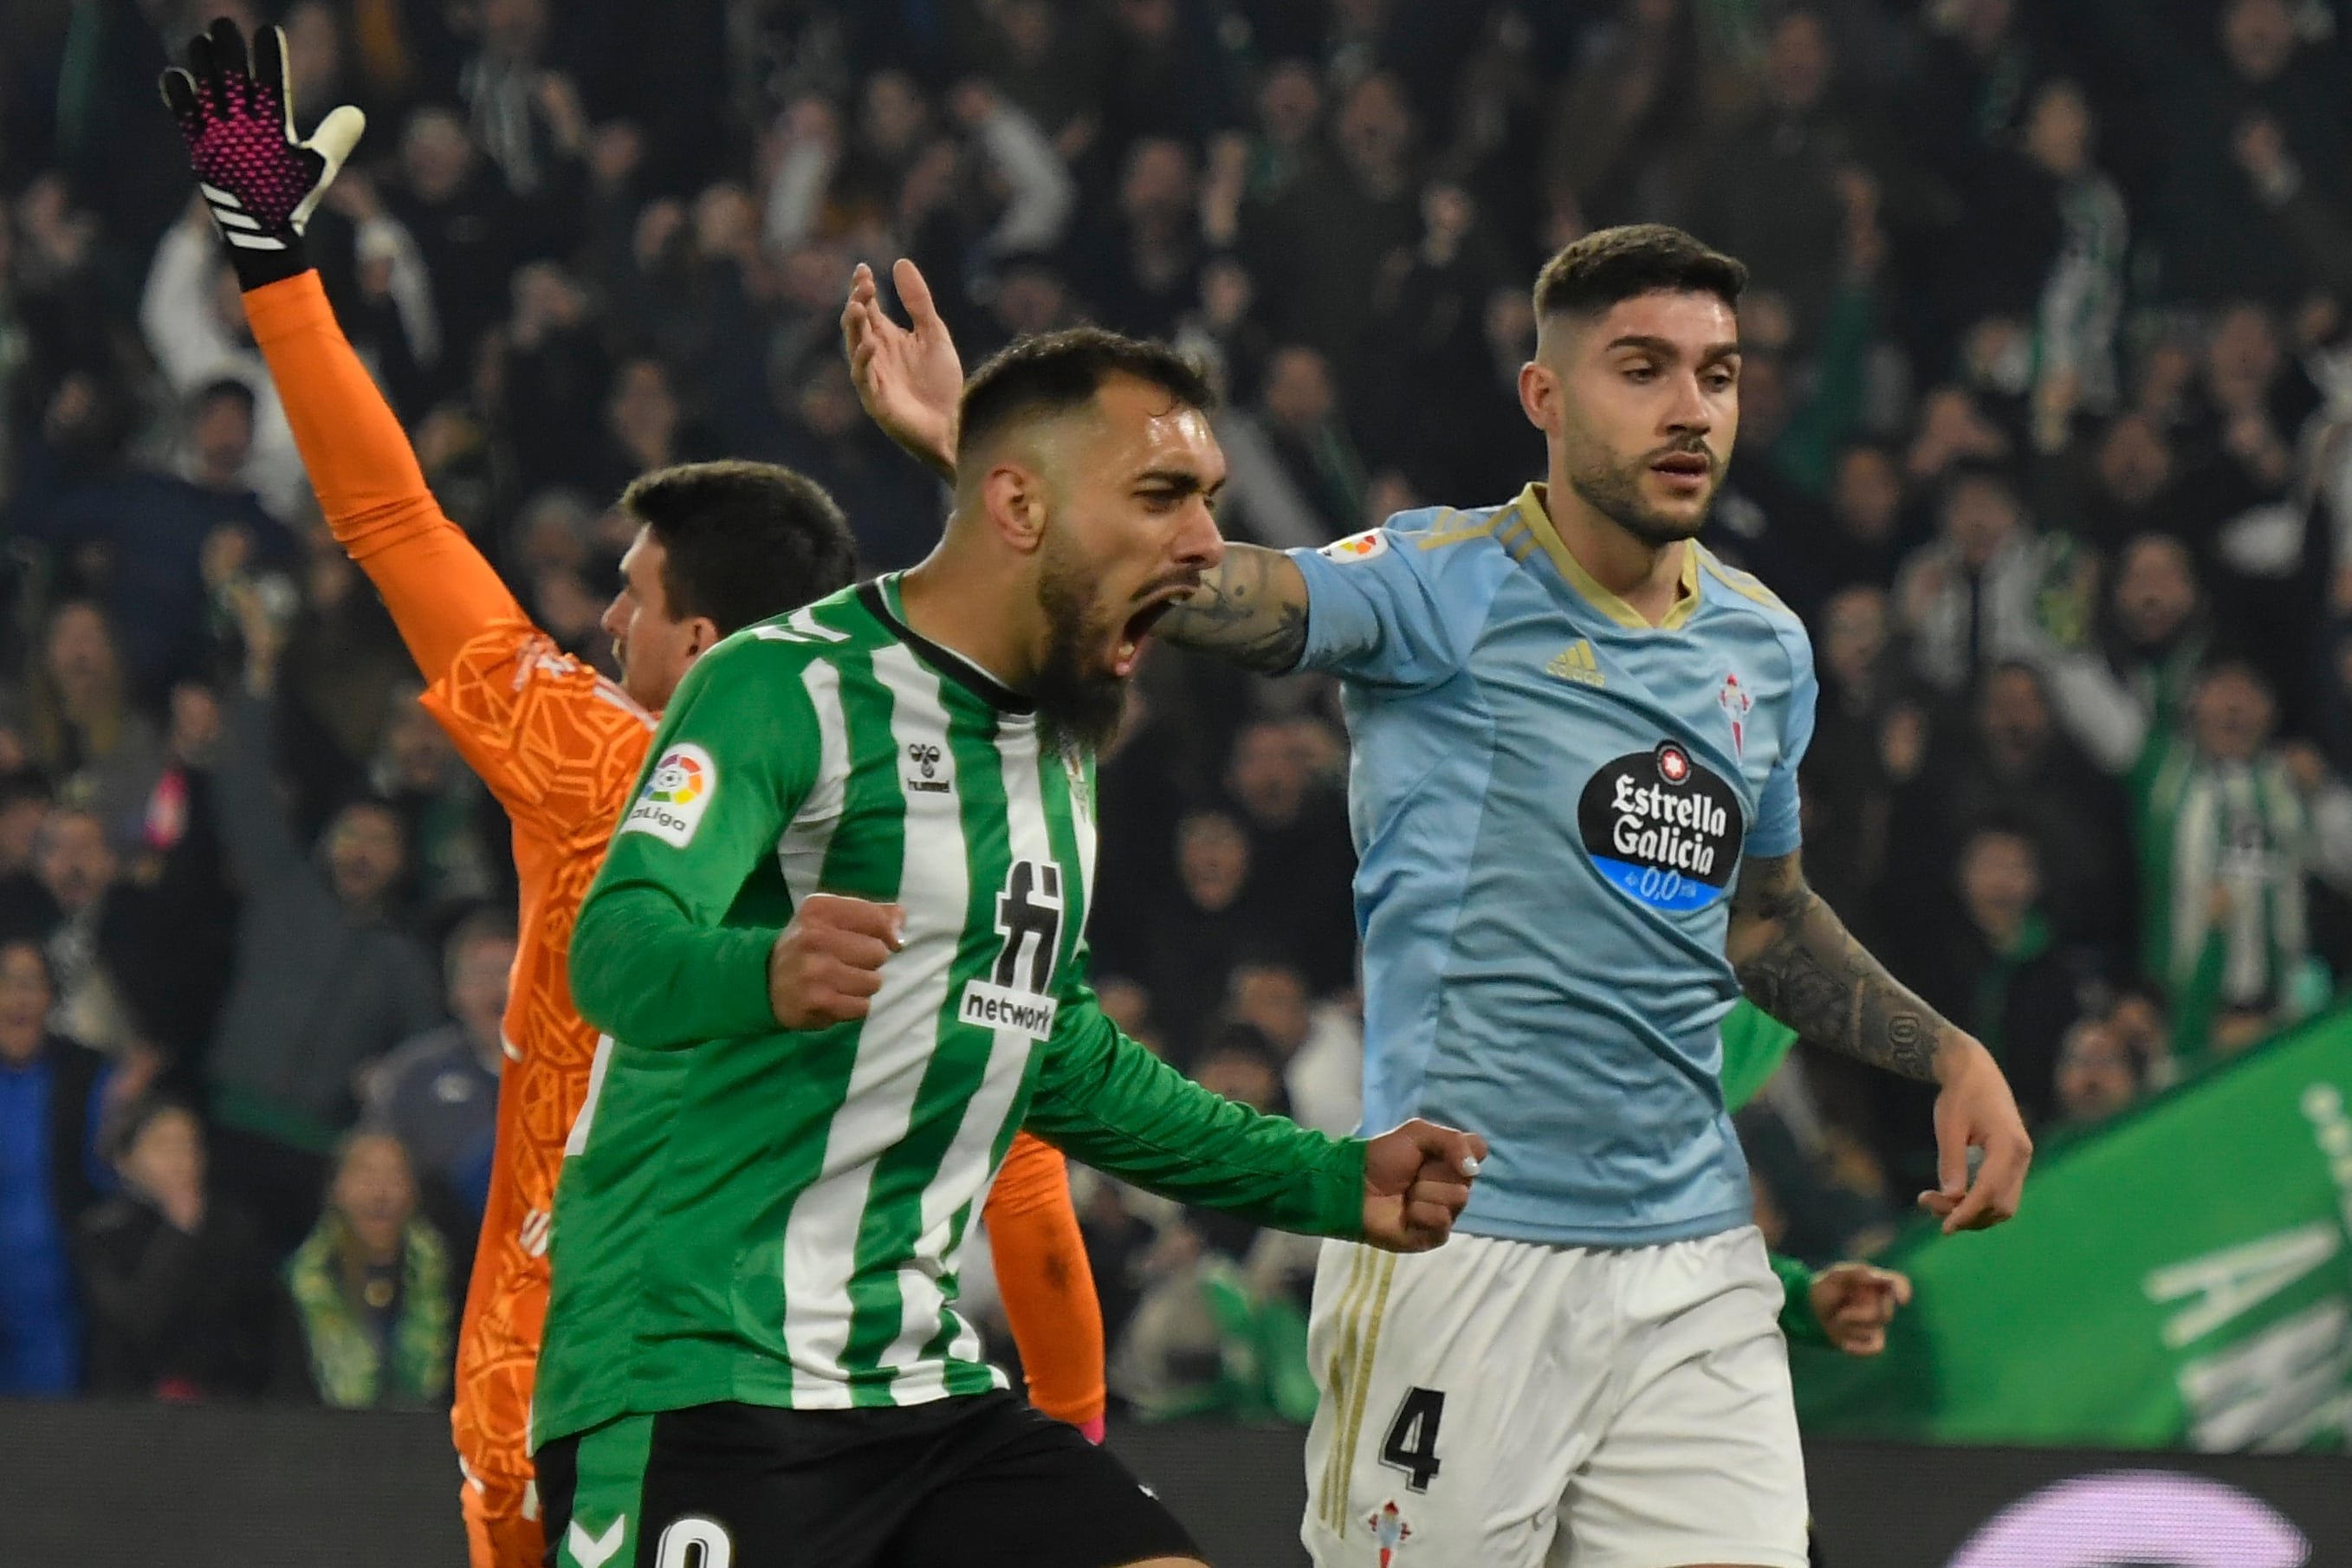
[595, 1551]
[1575, 662]
[925, 760]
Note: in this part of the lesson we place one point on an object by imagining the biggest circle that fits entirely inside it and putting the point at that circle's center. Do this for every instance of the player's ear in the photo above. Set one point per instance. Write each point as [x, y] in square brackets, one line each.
[1539, 395]
[1013, 503]
[702, 636]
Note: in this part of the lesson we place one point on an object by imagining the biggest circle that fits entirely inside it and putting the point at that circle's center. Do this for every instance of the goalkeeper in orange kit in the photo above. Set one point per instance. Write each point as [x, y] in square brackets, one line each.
[719, 546]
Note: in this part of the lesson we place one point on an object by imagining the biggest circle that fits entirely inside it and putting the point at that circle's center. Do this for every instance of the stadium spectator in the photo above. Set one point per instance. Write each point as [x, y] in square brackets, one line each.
[323, 982]
[1321, 1047]
[469, 231]
[25, 804]
[451, 827]
[195, 330]
[372, 1288]
[1295, 821]
[1296, 478]
[1218, 917]
[181, 1302]
[438, 1093]
[92, 933]
[138, 536]
[82, 726]
[52, 1097]
[2098, 1075]
[1996, 967]
[1978, 593]
[1317, 248]
[2233, 825]
[2014, 761]
[1868, 748]
[894, 508]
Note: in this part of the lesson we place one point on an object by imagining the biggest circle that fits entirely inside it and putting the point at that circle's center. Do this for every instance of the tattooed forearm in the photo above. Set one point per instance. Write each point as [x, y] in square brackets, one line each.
[1796, 959]
[1250, 611]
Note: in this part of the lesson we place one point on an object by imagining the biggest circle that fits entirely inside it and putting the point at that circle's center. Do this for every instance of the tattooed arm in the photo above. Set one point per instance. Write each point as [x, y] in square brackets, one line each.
[1796, 959]
[1251, 611]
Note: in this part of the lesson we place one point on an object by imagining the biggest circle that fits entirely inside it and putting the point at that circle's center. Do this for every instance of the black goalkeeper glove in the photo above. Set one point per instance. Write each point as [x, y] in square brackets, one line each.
[239, 122]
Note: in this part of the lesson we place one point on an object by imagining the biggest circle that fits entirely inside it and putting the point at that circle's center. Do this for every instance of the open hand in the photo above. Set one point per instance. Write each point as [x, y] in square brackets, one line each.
[1416, 1179]
[827, 964]
[908, 379]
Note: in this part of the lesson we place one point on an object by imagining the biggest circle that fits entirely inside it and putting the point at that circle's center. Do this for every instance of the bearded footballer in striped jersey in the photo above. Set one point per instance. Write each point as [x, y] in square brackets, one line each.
[837, 946]
[1573, 788]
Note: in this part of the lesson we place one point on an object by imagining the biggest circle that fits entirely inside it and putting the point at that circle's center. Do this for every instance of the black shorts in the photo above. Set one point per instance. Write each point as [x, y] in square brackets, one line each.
[969, 1482]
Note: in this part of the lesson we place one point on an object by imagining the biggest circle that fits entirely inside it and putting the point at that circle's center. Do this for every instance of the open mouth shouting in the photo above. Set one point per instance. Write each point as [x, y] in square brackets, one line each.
[1135, 632]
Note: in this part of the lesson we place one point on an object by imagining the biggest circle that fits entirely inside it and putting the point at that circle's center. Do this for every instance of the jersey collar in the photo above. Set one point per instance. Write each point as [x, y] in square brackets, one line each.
[880, 598]
[1530, 509]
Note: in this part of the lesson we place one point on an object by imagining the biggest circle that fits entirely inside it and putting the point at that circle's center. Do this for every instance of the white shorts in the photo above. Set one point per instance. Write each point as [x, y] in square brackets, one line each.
[1509, 1404]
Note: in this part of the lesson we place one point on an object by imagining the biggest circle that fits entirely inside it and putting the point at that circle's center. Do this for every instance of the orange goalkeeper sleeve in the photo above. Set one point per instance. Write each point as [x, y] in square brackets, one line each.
[440, 590]
[1048, 1286]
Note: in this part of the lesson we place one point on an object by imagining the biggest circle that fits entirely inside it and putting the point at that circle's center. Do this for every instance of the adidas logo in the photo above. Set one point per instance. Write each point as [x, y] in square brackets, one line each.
[1575, 662]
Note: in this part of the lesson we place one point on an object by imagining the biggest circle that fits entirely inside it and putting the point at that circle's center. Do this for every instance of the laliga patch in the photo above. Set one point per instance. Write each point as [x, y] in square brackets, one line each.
[1663, 829]
[676, 793]
[1361, 546]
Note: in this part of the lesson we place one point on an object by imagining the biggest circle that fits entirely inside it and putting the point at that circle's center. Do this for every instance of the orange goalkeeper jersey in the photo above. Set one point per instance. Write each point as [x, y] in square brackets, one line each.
[561, 747]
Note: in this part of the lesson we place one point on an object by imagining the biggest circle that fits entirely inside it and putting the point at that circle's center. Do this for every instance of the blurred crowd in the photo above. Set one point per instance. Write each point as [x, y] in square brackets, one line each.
[2047, 392]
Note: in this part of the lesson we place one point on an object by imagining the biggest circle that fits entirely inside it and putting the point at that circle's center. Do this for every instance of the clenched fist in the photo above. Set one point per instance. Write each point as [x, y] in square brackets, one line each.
[827, 964]
[1416, 1179]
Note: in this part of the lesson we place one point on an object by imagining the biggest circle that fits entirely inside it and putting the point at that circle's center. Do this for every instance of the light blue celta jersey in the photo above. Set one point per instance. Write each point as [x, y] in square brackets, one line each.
[1550, 798]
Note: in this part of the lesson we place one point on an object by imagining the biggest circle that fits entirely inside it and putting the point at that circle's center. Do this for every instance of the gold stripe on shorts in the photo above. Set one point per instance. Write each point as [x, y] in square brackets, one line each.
[1332, 1503]
[1386, 1270]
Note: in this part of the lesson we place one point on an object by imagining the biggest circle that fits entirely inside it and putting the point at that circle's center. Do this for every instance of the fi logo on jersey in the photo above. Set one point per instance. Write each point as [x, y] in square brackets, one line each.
[1665, 829]
[675, 796]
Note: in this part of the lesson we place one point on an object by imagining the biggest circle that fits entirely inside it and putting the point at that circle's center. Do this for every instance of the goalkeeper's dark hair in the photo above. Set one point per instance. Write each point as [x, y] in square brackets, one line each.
[1054, 371]
[742, 541]
[1610, 265]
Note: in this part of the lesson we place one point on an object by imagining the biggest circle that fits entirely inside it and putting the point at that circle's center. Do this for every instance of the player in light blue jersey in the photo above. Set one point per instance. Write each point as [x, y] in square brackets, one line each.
[1574, 793]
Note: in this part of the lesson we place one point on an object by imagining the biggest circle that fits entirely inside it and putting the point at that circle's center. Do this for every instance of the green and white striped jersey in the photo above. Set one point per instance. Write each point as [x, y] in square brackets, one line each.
[777, 1218]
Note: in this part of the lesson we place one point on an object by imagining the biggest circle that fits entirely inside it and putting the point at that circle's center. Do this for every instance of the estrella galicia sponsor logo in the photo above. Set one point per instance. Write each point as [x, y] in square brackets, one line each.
[1663, 828]
[923, 759]
[675, 794]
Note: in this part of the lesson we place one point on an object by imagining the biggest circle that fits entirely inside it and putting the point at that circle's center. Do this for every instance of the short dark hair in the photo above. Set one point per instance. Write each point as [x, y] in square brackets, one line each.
[220, 387]
[28, 943]
[1610, 264]
[742, 541]
[1053, 372]
[480, 925]
[121, 1132]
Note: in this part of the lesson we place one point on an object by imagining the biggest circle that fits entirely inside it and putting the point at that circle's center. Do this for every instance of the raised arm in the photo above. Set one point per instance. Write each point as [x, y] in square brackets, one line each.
[441, 591]
[262, 187]
[1796, 961]
[1251, 610]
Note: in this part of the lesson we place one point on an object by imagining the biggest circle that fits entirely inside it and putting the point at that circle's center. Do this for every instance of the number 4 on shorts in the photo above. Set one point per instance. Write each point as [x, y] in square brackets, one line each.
[1411, 1442]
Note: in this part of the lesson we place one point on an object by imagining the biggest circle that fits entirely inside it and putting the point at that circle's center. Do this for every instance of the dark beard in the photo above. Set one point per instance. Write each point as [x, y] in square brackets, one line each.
[1616, 494]
[1078, 710]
